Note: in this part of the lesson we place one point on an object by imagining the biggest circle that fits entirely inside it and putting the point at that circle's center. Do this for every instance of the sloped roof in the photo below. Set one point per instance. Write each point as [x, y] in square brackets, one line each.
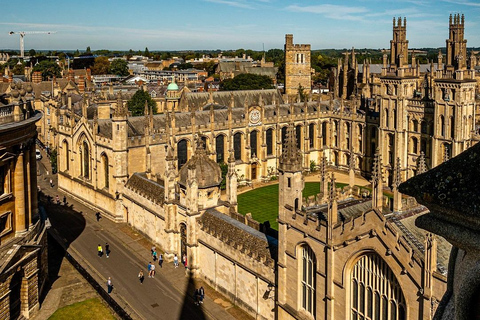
[145, 187]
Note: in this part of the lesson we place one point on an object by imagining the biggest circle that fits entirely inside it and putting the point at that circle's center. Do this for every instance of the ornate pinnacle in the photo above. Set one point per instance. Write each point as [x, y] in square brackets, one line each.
[421, 166]
[397, 178]
[332, 191]
[377, 167]
[291, 158]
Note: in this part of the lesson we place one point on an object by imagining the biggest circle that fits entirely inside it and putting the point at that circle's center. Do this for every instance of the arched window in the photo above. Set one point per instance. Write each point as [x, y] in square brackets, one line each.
[442, 126]
[375, 291]
[269, 138]
[414, 145]
[66, 152]
[386, 118]
[298, 133]
[308, 267]
[105, 171]
[220, 148]
[452, 127]
[237, 146]
[311, 135]
[182, 153]
[284, 136]
[324, 133]
[253, 144]
[85, 160]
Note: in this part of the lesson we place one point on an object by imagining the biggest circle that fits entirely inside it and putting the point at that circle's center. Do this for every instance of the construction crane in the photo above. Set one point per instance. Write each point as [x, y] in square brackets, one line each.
[22, 35]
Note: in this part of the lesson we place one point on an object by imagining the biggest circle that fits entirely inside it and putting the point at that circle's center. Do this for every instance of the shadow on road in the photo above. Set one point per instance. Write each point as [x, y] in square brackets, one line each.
[69, 224]
[189, 309]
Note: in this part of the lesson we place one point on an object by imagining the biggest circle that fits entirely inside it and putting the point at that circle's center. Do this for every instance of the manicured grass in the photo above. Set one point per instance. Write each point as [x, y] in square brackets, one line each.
[263, 202]
[91, 309]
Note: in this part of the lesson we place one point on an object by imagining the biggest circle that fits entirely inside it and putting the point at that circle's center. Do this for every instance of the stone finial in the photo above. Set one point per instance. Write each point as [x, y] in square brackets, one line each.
[291, 157]
[397, 177]
[421, 165]
[377, 167]
[332, 190]
[121, 109]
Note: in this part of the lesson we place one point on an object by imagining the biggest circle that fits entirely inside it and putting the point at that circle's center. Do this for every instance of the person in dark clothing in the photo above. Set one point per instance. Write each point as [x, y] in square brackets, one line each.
[97, 215]
[107, 249]
[160, 260]
[141, 277]
[201, 291]
[109, 285]
[64, 200]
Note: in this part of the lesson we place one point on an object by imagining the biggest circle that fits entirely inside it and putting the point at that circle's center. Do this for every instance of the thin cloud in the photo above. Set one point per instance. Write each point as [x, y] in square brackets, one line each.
[236, 4]
[463, 3]
[331, 11]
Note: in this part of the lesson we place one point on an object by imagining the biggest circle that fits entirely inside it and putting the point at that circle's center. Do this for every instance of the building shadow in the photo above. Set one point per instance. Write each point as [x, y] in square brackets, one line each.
[190, 310]
[66, 226]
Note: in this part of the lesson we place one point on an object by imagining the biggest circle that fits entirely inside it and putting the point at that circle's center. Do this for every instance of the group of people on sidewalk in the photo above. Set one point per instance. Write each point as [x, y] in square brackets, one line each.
[100, 250]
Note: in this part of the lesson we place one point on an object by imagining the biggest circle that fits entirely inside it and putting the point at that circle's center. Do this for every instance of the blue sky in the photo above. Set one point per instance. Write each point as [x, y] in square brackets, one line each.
[230, 24]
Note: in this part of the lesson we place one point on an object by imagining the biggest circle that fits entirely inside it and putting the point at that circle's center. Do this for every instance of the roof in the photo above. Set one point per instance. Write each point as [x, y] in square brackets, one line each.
[208, 172]
[238, 235]
[145, 187]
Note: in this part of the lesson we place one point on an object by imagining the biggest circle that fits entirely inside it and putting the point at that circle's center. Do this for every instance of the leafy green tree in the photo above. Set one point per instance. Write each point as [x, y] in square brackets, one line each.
[301, 93]
[101, 66]
[183, 66]
[19, 69]
[88, 50]
[53, 160]
[48, 69]
[224, 168]
[147, 53]
[247, 81]
[207, 66]
[32, 52]
[136, 105]
[119, 67]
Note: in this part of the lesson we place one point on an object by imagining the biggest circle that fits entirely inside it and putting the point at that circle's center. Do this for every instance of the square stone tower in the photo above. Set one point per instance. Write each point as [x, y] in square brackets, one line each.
[297, 66]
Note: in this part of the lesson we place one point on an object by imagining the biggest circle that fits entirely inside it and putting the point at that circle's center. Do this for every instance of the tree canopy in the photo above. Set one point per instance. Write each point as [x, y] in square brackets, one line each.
[101, 66]
[48, 69]
[247, 81]
[119, 67]
[136, 105]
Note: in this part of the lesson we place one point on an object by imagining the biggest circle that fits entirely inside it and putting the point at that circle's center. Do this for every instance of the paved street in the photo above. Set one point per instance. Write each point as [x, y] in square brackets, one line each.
[167, 296]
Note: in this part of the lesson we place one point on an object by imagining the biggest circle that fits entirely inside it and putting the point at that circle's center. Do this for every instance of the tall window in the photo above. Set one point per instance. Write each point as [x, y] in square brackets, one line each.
[298, 133]
[308, 279]
[269, 142]
[220, 148]
[324, 133]
[253, 144]
[182, 153]
[375, 291]
[452, 127]
[67, 155]
[105, 171]
[311, 135]
[237, 146]
[442, 126]
[86, 160]
[2, 180]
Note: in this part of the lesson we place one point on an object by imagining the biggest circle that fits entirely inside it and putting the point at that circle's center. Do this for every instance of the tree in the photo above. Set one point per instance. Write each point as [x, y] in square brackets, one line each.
[147, 53]
[136, 105]
[119, 67]
[32, 52]
[88, 50]
[224, 169]
[247, 81]
[48, 69]
[101, 66]
[301, 93]
[184, 66]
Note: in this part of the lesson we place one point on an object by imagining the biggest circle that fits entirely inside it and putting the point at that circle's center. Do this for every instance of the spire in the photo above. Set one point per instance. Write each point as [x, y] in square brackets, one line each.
[397, 175]
[332, 213]
[121, 109]
[377, 182]
[291, 157]
[421, 166]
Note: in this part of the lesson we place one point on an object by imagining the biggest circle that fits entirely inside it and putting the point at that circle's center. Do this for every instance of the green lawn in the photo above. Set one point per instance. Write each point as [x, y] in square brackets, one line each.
[91, 309]
[263, 202]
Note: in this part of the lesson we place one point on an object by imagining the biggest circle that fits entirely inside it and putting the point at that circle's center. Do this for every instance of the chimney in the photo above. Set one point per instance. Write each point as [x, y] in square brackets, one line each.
[81, 84]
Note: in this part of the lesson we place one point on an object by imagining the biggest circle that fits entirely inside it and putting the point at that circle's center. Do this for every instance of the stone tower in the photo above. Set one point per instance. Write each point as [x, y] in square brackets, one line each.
[297, 66]
[290, 187]
[120, 152]
[399, 44]
[456, 44]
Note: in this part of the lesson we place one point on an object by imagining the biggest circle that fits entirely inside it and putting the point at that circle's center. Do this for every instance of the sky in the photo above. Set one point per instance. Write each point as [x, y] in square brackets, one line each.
[229, 24]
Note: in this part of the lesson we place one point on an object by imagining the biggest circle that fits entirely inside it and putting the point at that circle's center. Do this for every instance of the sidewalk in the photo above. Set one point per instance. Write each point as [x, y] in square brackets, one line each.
[136, 248]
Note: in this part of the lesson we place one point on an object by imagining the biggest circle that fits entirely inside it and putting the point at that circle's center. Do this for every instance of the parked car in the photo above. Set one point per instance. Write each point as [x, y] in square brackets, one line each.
[38, 154]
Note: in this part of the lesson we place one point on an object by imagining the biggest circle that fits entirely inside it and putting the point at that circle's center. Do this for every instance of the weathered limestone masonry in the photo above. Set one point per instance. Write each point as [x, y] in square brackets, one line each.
[297, 67]
[23, 239]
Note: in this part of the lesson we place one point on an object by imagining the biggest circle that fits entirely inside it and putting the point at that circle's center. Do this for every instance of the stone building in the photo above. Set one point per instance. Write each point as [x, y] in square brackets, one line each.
[23, 240]
[297, 67]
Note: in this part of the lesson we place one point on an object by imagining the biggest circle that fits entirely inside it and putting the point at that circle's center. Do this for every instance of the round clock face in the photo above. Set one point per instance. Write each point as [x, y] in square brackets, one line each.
[255, 116]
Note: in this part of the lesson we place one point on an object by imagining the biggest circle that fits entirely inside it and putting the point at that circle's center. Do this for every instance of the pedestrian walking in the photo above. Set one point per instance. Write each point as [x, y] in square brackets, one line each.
[107, 249]
[64, 200]
[141, 277]
[152, 250]
[100, 250]
[175, 261]
[154, 256]
[98, 215]
[51, 183]
[109, 285]
[185, 261]
[160, 260]
[197, 296]
[152, 270]
[202, 294]
[57, 199]
[149, 268]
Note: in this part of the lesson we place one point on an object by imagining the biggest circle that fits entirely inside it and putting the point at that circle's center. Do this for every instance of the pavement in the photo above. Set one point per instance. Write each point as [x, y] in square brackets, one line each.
[167, 296]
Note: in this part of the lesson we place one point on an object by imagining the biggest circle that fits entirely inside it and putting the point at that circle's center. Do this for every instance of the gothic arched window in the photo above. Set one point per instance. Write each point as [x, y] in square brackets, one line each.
[311, 135]
[308, 267]
[182, 153]
[86, 160]
[220, 148]
[375, 291]
[237, 146]
[269, 138]
[105, 171]
[253, 144]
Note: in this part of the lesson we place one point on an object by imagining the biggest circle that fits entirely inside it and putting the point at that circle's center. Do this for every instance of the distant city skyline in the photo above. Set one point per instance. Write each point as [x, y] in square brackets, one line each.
[230, 24]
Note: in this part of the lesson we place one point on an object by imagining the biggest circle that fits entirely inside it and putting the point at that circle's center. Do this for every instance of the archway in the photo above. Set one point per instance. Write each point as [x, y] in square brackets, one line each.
[183, 239]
